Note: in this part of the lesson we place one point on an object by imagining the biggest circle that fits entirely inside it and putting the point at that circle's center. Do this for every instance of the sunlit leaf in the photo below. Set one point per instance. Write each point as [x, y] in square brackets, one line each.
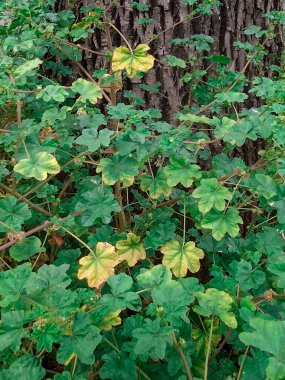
[216, 303]
[87, 90]
[38, 166]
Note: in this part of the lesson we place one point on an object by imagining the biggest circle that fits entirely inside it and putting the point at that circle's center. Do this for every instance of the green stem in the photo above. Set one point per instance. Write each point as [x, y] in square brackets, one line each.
[78, 239]
[184, 224]
[208, 350]
[118, 351]
[123, 37]
[242, 363]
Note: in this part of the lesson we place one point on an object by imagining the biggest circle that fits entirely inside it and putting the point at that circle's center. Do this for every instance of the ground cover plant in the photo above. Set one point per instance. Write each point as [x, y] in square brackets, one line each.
[133, 247]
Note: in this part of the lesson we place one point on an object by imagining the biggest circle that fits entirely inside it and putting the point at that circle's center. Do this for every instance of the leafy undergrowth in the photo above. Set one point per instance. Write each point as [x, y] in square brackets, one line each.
[128, 248]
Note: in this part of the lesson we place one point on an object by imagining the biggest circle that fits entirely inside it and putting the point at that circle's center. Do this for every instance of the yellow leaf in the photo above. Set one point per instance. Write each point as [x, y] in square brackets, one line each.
[110, 320]
[179, 258]
[97, 267]
[132, 61]
[131, 249]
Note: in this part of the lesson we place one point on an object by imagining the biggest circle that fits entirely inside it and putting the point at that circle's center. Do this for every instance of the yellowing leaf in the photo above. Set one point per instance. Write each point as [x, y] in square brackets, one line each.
[179, 258]
[110, 320]
[131, 249]
[38, 166]
[97, 267]
[132, 61]
[88, 90]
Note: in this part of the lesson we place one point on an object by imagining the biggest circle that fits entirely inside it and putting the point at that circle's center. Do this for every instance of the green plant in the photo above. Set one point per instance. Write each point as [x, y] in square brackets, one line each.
[120, 254]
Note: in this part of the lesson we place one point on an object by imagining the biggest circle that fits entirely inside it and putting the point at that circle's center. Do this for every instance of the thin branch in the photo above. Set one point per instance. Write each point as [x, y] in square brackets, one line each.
[35, 230]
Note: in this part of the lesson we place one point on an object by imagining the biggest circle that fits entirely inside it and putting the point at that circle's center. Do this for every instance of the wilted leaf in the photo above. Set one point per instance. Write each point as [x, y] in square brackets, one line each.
[132, 61]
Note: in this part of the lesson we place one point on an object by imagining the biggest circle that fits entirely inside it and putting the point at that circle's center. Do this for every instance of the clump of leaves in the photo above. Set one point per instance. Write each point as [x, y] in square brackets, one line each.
[128, 249]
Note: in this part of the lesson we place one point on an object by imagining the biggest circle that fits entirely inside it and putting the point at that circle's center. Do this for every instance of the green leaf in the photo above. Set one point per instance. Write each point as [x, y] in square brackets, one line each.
[247, 277]
[231, 97]
[222, 223]
[13, 282]
[175, 61]
[173, 301]
[156, 186]
[49, 278]
[131, 249]
[152, 339]
[13, 214]
[256, 30]
[38, 166]
[180, 258]
[120, 111]
[219, 59]
[211, 194]
[216, 303]
[98, 205]
[87, 90]
[99, 266]
[12, 330]
[25, 249]
[82, 342]
[194, 118]
[117, 366]
[94, 139]
[155, 276]
[118, 168]
[268, 336]
[180, 171]
[46, 334]
[27, 67]
[51, 92]
[132, 61]
[264, 185]
[121, 297]
[27, 367]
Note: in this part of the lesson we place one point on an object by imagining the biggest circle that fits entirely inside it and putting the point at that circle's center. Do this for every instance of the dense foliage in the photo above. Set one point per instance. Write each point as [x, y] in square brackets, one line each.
[134, 248]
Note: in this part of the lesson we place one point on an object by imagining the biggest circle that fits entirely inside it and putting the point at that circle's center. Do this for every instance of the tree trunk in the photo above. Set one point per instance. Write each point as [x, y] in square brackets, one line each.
[225, 26]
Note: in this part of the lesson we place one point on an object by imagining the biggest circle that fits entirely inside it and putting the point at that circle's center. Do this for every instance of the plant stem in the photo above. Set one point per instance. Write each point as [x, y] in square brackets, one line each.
[242, 363]
[118, 351]
[78, 239]
[208, 350]
[183, 358]
[123, 37]
[184, 223]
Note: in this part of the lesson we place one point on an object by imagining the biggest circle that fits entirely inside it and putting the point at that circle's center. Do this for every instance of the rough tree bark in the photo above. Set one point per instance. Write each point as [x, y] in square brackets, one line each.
[225, 26]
